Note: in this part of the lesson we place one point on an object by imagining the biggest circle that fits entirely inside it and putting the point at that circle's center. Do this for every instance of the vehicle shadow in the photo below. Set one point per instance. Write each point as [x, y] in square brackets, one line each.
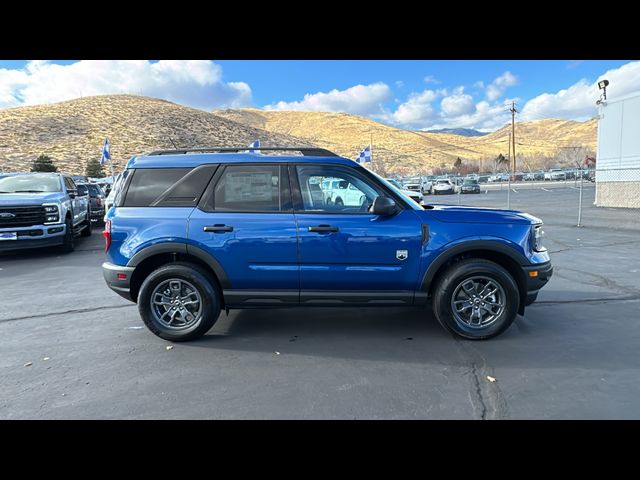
[550, 335]
[93, 243]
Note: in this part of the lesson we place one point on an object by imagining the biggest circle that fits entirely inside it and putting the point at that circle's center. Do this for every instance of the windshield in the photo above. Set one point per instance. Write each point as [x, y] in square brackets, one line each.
[30, 184]
[470, 182]
[443, 182]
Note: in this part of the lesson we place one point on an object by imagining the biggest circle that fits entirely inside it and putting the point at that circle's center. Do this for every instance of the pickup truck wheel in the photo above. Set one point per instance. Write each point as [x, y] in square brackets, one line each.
[179, 302]
[476, 299]
[339, 202]
[86, 231]
[68, 242]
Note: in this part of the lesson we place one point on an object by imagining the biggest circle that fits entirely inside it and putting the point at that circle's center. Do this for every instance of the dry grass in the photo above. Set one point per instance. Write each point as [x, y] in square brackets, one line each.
[403, 150]
[73, 132]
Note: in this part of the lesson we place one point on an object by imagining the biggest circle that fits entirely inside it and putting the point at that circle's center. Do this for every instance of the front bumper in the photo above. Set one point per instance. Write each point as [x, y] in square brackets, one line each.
[119, 285]
[34, 236]
[537, 277]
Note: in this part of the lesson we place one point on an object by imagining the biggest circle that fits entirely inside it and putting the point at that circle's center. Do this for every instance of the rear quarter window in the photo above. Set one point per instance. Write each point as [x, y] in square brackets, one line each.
[168, 187]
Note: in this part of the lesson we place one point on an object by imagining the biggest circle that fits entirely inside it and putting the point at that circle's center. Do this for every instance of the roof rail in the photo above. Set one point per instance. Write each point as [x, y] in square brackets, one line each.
[306, 151]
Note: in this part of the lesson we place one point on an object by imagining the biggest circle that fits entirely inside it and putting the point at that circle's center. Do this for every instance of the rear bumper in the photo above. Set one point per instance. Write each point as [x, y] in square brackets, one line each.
[118, 279]
[97, 215]
[535, 283]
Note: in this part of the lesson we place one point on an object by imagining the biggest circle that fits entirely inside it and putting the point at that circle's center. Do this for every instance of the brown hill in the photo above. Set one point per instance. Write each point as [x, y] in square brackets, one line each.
[72, 132]
[402, 151]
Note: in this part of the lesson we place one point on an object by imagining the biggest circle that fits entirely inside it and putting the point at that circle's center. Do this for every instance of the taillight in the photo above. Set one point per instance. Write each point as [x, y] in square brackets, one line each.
[106, 233]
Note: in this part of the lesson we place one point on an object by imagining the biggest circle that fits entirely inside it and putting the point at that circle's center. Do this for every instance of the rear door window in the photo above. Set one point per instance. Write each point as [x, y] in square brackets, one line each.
[149, 184]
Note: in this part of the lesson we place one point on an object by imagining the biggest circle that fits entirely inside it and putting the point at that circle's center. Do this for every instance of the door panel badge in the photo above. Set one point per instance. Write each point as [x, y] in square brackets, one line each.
[402, 254]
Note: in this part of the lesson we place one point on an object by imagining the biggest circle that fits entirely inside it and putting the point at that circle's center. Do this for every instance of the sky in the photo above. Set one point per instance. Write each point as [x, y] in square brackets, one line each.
[417, 95]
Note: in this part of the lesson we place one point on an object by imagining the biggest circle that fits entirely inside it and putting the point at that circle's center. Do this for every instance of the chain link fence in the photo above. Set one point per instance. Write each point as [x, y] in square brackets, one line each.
[605, 198]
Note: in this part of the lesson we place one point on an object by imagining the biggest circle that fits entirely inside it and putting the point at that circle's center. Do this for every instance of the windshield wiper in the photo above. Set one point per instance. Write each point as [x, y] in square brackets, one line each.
[28, 191]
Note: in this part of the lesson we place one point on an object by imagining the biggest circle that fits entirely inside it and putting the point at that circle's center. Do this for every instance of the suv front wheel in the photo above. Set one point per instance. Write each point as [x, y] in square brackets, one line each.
[476, 299]
[179, 302]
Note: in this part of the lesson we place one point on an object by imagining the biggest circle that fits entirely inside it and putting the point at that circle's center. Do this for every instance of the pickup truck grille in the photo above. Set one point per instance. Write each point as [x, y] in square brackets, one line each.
[21, 216]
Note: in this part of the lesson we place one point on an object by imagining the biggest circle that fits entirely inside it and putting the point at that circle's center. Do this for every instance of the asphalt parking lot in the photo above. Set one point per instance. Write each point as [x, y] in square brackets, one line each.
[573, 355]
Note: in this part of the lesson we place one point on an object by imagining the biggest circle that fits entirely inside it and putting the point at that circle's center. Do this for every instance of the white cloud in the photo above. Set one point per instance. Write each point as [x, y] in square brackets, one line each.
[197, 83]
[399, 83]
[359, 100]
[431, 79]
[578, 102]
[456, 105]
[497, 88]
[416, 111]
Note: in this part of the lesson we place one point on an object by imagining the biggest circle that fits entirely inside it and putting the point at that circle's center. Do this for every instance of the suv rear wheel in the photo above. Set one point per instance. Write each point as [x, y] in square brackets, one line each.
[179, 302]
[476, 299]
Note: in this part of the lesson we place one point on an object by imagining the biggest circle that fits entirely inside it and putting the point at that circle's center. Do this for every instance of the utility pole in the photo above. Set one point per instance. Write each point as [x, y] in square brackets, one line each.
[513, 132]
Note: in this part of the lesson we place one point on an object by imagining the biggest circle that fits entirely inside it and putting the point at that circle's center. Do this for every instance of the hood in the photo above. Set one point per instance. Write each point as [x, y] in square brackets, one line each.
[458, 214]
[11, 199]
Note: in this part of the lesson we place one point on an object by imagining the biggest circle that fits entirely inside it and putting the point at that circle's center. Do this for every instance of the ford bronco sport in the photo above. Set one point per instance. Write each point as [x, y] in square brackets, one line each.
[193, 232]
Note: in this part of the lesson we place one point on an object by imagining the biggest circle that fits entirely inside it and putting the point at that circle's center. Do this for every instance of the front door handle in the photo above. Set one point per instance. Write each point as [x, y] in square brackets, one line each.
[324, 228]
[218, 228]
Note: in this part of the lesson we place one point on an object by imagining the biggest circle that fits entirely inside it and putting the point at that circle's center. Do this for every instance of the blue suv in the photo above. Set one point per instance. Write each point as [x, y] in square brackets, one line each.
[196, 231]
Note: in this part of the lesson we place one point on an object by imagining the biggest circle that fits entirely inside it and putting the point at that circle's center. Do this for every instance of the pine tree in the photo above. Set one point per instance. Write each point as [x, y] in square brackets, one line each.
[457, 164]
[94, 169]
[43, 163]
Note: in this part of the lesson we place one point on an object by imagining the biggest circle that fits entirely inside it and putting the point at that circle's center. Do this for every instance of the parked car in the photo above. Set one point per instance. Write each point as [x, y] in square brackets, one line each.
[413, 183]
[96, 200]
[470, 186]
[41, 210]
[111, 195]
[341, 193]
[412, 194]
[443, 187]
[244, 231]
[555, 174]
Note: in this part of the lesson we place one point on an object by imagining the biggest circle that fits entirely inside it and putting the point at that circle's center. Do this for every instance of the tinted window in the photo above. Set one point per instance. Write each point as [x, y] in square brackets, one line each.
[250, 188]
[148, 185]
[95, 190]
[82, 190]
[354, 194]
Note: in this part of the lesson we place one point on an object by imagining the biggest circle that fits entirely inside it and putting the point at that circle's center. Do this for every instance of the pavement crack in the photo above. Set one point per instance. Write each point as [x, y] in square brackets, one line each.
[66, 312]
[476, 379]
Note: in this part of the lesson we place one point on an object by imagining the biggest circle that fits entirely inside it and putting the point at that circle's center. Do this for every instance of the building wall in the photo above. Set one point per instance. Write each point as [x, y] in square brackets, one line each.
[618, 158]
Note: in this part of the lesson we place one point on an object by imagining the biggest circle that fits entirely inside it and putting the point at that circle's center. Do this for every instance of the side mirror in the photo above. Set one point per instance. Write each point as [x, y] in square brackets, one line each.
[72, 193]
[383, 206]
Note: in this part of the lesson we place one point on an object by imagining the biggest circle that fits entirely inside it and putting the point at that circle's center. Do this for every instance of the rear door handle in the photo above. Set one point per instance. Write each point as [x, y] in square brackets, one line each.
[218, 228]
[324, 228]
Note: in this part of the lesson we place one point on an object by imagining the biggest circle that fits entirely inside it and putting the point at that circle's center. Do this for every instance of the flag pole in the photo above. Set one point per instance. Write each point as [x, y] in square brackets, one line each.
[371, 147]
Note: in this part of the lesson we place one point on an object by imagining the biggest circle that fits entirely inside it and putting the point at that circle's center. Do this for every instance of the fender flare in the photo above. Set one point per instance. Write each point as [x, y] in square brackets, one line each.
[467, 246]
[175, 247]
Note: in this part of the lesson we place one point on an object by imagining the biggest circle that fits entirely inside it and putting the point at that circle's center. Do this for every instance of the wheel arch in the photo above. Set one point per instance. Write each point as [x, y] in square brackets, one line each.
[150, 258]
[508, 258]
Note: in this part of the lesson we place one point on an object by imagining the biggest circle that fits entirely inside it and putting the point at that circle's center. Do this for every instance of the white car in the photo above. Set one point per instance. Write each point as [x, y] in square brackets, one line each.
[443, 187]
[555, 174]
[415, 196]
[342, 193]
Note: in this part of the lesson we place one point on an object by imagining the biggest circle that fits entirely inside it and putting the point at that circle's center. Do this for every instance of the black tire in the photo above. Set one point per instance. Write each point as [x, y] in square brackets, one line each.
[207, 288]
[448, 284]
[68, 241]
[339, 202]
[86, 231]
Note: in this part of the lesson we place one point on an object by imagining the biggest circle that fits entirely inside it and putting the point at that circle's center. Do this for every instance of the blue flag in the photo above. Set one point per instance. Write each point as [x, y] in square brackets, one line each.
[365, 155]
[254, 145]
[106, 154]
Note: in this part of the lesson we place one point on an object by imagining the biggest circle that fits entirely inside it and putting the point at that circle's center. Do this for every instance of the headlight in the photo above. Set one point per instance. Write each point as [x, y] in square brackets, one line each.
[52, 213]
[537, 236]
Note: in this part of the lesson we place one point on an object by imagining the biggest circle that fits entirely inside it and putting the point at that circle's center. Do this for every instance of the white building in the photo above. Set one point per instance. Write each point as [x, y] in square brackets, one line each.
[618, 157]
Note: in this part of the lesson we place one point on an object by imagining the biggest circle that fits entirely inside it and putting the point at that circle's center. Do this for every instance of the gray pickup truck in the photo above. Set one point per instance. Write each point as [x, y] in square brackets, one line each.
[41, 210]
